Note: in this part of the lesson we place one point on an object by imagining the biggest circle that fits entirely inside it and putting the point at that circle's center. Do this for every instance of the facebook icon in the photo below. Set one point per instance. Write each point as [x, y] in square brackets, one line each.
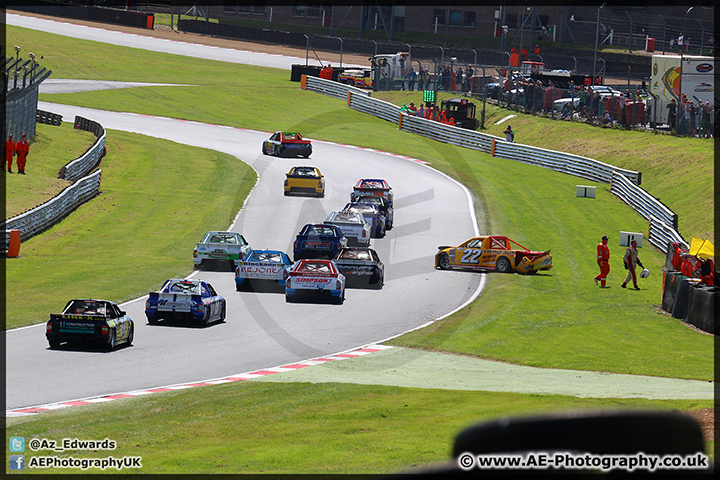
[17, 462]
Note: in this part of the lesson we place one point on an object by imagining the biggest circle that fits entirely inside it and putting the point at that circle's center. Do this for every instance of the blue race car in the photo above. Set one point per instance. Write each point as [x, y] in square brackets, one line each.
[270, 265]
[185, 299]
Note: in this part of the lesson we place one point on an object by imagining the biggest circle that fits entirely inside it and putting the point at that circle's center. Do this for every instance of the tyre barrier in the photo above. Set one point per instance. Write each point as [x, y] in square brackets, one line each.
[689, 301]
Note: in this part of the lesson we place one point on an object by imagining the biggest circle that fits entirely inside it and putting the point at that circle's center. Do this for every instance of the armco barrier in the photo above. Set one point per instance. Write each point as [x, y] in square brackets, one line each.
[48, 214]
[85, 187]
[644, 203]
[81, 166]
[623, 183]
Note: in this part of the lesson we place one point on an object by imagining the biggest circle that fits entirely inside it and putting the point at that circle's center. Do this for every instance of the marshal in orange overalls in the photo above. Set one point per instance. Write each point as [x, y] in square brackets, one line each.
[603, 257]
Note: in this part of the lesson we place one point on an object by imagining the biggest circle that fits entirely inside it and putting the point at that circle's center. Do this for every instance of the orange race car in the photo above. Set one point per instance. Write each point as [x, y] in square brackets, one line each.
[492, 252]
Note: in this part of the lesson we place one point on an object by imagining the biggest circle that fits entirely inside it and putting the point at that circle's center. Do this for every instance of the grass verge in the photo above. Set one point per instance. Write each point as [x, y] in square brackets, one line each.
[140, 219]
[249, 427]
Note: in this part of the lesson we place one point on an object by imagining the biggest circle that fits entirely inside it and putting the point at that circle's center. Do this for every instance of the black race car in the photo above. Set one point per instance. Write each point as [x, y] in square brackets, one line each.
[94, 320]
[361, 266]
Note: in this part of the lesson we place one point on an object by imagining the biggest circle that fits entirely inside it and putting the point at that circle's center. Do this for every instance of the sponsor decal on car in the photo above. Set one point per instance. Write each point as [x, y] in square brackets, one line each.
[311, 280]
[76, 327]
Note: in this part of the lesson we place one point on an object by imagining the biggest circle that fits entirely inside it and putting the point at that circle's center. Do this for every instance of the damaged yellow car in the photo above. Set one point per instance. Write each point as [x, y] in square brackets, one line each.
[492, 253]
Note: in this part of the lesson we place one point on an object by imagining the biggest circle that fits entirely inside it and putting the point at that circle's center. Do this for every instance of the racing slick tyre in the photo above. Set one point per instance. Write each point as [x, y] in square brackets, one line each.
[503, 265]
[131, 336]
[54, 343]
[222, 314]
[341, 298]
[444, 262]
[111, 340]
[206, 318]
[264, 150]
[153, 320]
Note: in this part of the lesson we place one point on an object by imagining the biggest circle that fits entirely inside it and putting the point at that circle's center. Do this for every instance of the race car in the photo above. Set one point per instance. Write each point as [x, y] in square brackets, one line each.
[287, 144]
[372, 215]
[317, 276]
[268, 265]
[492, 252]
[356, 77]
[361, 265]
[193, 300]
[318, 240]
[86, 319]
[375, 187]
[353, 225]
[385, 208]
[305, 180]
[220, 248]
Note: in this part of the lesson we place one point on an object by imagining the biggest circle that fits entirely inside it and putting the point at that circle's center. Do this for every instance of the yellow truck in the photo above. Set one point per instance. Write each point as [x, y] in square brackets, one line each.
[305, 180]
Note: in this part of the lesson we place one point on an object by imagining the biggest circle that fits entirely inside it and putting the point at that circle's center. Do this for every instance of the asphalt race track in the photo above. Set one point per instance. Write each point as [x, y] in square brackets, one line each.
[262, 330]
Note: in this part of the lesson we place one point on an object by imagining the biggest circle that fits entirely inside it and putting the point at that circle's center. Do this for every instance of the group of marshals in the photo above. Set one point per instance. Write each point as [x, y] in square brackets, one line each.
[630, 259]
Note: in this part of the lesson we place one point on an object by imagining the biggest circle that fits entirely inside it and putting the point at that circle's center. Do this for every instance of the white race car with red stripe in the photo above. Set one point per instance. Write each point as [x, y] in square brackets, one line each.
[315, 275]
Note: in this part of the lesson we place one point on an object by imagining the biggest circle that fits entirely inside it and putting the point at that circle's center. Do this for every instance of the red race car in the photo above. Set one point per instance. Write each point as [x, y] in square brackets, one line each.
[287, 144]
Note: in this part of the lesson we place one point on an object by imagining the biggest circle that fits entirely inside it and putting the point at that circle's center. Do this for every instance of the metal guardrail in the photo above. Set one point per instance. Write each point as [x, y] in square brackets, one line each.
[624, 183]
[86, 186]
[333, 89]
[48, 118]
[48, 214]
[662, 235]
[81, 166]
[644, 203]
[577, 165]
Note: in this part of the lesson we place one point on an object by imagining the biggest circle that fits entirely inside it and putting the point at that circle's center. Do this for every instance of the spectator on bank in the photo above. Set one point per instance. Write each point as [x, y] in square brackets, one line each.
[565, 111]
[623, 103]
[672, 114]
[680, 127]
[710, 117]
[581, 102]
[509, 134]
[596, 105]
[412, 76]
[692, 118]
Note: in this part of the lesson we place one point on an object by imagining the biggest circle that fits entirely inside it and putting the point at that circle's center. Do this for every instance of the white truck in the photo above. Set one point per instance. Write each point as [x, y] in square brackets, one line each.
[353, 225]
[697, 81]
[267, 265]
[220, 247]
[390, 71]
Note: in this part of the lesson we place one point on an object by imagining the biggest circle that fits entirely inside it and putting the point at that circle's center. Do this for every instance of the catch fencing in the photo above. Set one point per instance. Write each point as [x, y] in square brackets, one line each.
[624, 183]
